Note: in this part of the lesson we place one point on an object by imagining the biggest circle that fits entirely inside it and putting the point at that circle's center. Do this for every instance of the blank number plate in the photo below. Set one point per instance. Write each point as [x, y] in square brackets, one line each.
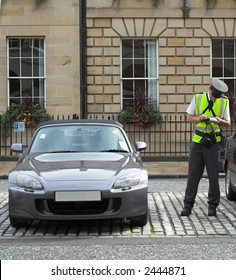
[78, 196]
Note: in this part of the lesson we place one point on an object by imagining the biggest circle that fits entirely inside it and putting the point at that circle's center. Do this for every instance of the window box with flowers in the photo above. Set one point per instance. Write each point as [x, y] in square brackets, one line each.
[141, 113]
[140, 117]
[30, 114]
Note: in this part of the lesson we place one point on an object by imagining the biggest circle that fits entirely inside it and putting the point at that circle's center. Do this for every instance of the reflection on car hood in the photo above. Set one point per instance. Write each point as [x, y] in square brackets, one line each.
[78, 166]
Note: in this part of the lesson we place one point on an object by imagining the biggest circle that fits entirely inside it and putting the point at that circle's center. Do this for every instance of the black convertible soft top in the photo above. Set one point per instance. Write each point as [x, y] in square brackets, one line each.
[82, 121]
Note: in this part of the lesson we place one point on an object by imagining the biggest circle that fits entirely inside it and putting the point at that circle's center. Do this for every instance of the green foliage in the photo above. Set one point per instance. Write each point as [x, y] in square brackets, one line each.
[141, 118]
[30, 114]
[27, 113]
[155, 3]
[142, 112]
[210, 4]
[37, 3]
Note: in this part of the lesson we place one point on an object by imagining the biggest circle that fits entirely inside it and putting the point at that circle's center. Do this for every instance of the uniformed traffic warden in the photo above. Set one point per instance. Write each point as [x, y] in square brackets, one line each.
[209, 110]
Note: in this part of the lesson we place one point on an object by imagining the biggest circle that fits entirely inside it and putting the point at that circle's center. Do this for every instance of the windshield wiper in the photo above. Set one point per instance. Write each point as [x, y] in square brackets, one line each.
[115, 151]
[64, 151]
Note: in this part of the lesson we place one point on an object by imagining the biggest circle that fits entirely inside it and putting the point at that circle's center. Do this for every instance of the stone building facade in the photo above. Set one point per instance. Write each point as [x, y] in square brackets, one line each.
[57, 23]
[184, 62]
[184, 48]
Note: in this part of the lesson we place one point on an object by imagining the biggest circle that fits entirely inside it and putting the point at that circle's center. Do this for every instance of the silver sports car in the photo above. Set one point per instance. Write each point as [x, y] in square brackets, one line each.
[78, 170]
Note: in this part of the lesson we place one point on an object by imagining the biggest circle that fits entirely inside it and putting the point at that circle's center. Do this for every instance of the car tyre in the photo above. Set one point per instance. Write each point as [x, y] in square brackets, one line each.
[230, 194]
[16, 223]
[139, 221]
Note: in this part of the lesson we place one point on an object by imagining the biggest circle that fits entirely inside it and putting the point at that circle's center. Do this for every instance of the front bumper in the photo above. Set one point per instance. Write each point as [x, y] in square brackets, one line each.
[42, 205]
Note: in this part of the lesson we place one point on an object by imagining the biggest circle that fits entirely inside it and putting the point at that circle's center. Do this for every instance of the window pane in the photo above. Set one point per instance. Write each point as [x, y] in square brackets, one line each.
[38, 48]
[26, 67]
[139, 68]
[229, 48]
[140, 88]
[14, 67]
[127, 68]
[14, 48]
[26, 48]
[41, 67]
[14, 100]
[230, 84]
[128, 89]
[151, 49]
[152, 92]
[139, 49]
[231, 95]
[127, 48]
[127, 102]
[15, 87]
[41, 48]
[217, 68]
[229, 68]
[36, 67]
[26, 88]
[151, 68]
[38, 88]
[216, 48]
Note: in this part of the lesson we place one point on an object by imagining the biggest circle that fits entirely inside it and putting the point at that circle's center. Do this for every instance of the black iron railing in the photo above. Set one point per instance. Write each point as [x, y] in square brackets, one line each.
[169, 139]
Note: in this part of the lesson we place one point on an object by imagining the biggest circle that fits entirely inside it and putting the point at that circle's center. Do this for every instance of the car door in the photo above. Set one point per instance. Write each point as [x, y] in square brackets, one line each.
[231, 156]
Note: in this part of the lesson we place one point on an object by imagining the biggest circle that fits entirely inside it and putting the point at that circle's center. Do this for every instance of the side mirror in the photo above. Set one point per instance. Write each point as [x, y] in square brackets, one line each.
[140, 146]
[17, 148]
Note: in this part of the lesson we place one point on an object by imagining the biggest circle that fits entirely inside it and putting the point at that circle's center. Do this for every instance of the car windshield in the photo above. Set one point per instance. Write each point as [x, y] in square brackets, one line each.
[79, 138]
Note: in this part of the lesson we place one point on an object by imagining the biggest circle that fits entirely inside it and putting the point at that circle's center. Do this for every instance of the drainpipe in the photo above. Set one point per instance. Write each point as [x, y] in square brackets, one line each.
[184, 3]
[185, 8]
[83, 60]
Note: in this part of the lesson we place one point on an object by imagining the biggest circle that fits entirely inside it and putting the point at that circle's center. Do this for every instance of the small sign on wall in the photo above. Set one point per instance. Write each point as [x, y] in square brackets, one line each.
[19, 126]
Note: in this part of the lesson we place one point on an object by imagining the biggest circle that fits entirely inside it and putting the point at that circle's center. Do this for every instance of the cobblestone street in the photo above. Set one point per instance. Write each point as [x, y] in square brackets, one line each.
[164, 220]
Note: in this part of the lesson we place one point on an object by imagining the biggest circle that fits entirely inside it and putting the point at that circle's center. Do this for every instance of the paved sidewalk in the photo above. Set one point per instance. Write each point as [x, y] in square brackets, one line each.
[176, 169]
[5, 166]
[155, 169]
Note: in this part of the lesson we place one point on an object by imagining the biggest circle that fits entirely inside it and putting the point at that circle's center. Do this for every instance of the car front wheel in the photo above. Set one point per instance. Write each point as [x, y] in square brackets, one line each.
[16, 222]
[139, 221]
[230, 194]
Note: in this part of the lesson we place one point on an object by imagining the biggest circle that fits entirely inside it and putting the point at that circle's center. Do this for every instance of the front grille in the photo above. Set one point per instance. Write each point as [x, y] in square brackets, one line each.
[78, 208]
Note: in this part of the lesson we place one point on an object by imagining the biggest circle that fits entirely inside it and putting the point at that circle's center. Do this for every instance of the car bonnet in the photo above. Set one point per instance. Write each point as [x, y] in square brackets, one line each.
[79, 166]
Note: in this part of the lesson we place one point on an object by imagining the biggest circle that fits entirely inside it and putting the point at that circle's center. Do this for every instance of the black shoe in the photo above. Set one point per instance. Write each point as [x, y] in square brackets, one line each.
[186, 211]
[212, 212]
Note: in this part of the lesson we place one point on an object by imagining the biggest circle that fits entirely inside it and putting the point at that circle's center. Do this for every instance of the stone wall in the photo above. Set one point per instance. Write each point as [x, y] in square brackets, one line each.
[58, 22]
[183, 48]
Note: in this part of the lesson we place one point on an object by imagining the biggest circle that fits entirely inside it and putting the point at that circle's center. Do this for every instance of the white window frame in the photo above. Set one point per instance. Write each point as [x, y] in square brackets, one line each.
[230, 81]
[223, 39]
[32, 77]
[156, 100]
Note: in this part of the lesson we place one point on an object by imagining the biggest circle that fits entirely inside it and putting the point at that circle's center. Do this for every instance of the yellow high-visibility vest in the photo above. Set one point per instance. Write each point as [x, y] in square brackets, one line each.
[219, 106]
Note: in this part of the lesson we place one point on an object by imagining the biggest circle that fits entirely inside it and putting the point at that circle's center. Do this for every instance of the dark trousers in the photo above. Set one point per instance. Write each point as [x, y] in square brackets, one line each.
[200, 157]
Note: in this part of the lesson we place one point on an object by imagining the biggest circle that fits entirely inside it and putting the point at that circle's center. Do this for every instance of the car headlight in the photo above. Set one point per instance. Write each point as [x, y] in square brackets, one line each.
[28, 182]
[130, 180]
